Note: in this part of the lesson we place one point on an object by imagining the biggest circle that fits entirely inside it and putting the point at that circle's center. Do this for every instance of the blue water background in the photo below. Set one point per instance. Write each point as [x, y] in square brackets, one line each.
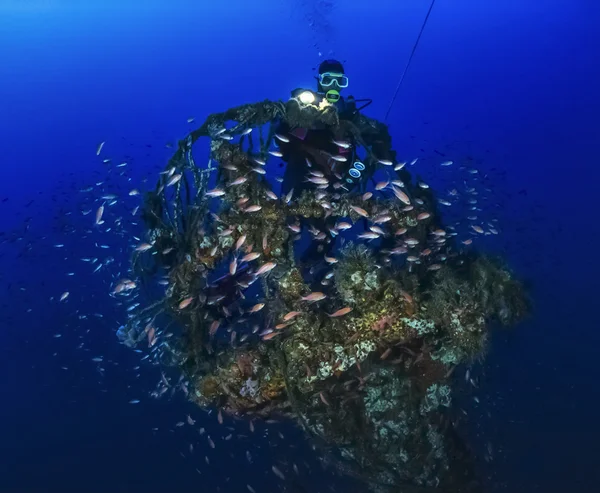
[514, 84]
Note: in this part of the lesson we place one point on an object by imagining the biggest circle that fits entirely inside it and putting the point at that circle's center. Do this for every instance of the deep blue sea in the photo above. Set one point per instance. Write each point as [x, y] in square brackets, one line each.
[508, 87]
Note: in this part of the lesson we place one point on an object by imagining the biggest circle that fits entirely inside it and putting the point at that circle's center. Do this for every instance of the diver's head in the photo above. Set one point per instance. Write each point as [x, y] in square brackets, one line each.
[331, 80]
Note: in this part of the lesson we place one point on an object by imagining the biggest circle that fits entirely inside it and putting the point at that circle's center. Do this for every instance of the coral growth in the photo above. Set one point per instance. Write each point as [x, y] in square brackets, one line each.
[360, 356]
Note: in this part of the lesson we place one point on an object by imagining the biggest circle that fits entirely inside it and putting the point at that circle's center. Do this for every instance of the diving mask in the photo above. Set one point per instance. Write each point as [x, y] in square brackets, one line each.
[327, 79]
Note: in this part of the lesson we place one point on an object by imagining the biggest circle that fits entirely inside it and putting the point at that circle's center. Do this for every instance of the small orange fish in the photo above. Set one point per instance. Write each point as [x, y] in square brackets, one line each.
[185, 302]
[240, 241]
[256, 308]
[264, 268]
[151, 332]
[216, 192]
[315, 296]
[318, 181]
[324, 399]
[360, 211]
[423, 215]
[214, 326]
[119, 288]
[253, 208]
[341, 312]
[238, 181]
[174, 179]
[401, 195]
[288, 197]
[143, 247]
[99, 213]
[382, 184]
[399, 250]
[270, 336]
[278, 473]
[368, 235]
[382, 218]
[250, 257]
[291, 315]
[99, 148]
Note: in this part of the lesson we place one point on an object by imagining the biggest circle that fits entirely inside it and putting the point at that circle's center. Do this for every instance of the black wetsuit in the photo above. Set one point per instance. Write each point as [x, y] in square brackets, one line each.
[317, 144]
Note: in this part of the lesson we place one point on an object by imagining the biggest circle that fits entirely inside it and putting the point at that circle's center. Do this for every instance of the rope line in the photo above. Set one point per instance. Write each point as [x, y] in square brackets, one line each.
[409, 60]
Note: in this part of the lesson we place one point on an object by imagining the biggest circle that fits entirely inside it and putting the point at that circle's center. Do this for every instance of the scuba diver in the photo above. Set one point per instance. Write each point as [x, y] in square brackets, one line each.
[333, 150]
[318, 147]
